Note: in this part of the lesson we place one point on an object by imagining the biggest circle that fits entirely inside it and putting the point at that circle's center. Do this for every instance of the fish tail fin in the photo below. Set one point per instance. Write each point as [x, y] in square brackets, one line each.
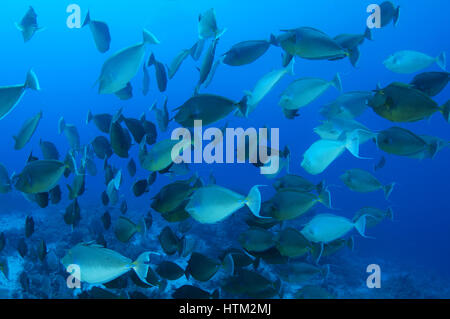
[390, 213]
[216, 294]
[74, 163]
[290, 67]
[253, 201]
[352, 144]
[388, 190]
[87, 20]
[368, 34]
[151, 60]
[445, 110]
[325, 197]
[153, 107]
[118, 180]
[72, 194]
[320, 187]
[354, 55]
[442, 61]
[433, 149]
[278, 285]
[228, 264]
[162, 285]
[316, 252]
[142, 227]
[243, 106]
[220, 33]
[89, 117]
[196, 89]
[287, 156]
[32, 81]
[256, 262]
[18, 26]
[337, 82]
[325, 271]
[360, 225]
[149, 38]
[273, 40]
[396, 16]
[181, 246]
[350, 243]
[61, 125]
[141, 266]
[4, 269]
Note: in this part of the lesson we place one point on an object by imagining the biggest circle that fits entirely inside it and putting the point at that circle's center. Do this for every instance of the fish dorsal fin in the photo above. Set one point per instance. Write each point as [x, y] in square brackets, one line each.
[92, 243]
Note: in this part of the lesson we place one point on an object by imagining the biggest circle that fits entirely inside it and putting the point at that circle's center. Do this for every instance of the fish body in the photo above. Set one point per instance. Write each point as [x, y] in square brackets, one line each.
[303, 91]
[207, 25]
[431, 83]
[312, 44]
[347, 106]
[120, 139]
[256, 239]
[362, 181]
[100, 33]
[297, 182]
[389, 13]
[313, 292]
[172, 195]
[406, 62]
[102, 121]
[10, 96]
[289, 204]
[351, 43]
[39, 176]
[71, 133]
[99, 265]
[101, 147]
[119, 69]
[160, 72]
[5, 181]
[177, 61]
[334, 128]
[323, 152]
[212, 204]
[27, 131]
[28, 25]
[207, 69]
[265, 85]
[206, 107]
[299, 272]
[291, 243]
[49, 150]
[402, 142]
[245, 52]
[159, 157]
[374, 216]
[400, 102]
[125, 229]
[325, 228]
[162, 116]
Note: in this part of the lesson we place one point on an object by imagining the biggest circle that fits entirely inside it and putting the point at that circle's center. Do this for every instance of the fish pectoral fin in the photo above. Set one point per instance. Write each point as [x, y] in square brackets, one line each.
[95, 83]
[18, 26]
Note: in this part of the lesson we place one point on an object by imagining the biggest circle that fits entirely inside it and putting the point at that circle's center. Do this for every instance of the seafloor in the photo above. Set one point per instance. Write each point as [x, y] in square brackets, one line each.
[347, 277]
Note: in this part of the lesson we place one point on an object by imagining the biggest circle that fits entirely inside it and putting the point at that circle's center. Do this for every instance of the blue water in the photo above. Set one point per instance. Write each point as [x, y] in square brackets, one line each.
[67, 64]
